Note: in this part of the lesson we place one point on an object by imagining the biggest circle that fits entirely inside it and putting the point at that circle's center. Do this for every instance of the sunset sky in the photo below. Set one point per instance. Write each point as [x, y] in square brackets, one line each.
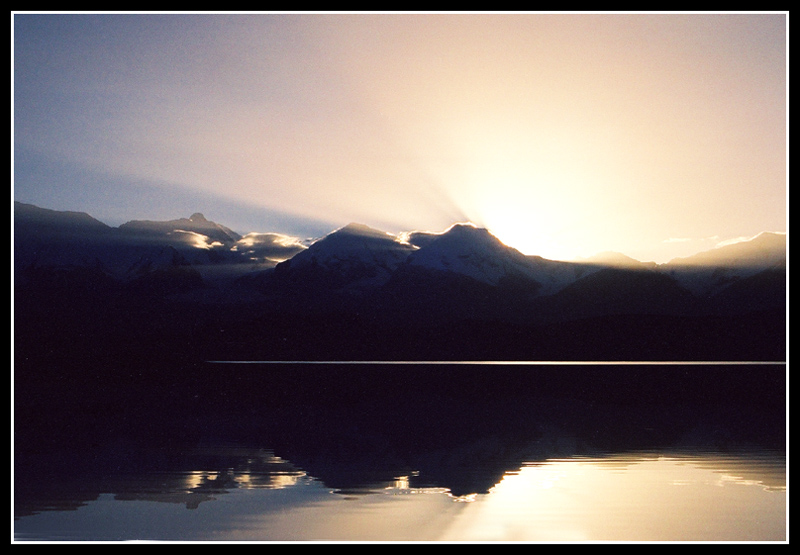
[656, 135]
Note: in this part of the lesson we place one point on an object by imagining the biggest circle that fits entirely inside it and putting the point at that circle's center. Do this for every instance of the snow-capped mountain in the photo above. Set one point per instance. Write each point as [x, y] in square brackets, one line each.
[359, 291]
[354, 257]
[363, 259]
[473, 252]
[456, 266]
[353, 244]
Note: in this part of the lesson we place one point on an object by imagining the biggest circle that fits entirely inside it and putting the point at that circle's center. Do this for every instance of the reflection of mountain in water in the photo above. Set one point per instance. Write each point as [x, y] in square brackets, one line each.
[363, 428]
[189, 476]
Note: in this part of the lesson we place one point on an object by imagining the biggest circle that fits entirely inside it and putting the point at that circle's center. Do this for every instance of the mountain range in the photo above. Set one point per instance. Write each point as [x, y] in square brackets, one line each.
[459, 293]
[121, 338]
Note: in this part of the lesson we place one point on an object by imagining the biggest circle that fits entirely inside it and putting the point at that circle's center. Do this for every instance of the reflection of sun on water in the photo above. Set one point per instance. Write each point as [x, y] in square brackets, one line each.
[264, 471]
[650, 498]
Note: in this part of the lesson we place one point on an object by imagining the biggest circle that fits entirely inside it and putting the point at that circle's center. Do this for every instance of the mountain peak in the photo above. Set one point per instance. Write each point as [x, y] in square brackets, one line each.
[469, 236]
[465, 228]
[355, 228]
[471, 251]
[355, 243]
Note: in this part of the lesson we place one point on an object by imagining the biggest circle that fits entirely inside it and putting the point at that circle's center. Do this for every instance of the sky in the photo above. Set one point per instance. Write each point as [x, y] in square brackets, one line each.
[657, 135]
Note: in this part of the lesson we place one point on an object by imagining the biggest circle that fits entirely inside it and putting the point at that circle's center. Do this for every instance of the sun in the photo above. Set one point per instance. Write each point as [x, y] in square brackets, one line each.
[527, 213]
[531, 192]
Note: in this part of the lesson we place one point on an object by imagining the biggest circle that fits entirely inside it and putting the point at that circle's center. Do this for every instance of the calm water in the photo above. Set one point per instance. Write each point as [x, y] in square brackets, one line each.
[524, 454]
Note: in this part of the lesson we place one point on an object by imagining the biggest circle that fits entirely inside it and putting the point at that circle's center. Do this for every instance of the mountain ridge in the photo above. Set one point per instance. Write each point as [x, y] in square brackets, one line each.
[463, 272]
[198, 223]
[157, 291]
[357, 257]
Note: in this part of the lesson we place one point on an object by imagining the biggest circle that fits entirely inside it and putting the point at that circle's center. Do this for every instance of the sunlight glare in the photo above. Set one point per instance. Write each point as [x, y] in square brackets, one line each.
[577, 499]
[534, 191]
[526, 212]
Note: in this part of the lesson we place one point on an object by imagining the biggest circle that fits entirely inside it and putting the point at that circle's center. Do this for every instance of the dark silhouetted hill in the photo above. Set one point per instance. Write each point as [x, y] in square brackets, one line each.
[192, 288]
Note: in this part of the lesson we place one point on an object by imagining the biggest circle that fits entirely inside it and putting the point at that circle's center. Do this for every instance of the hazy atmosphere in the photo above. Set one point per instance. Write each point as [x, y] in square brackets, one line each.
[656, 135]
[386, 277]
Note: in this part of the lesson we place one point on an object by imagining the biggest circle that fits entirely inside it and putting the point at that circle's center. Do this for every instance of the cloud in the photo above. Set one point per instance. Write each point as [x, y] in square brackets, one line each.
[269, 246]
[197, 240]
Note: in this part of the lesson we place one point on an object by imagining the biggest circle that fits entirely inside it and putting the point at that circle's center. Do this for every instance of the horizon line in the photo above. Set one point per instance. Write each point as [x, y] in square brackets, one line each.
[400, 234]
[513, 362]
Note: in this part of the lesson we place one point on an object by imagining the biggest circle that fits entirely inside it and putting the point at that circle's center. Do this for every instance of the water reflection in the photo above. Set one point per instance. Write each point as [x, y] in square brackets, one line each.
[242, 469]
[496, 458]
[259, 496]
[644, 497]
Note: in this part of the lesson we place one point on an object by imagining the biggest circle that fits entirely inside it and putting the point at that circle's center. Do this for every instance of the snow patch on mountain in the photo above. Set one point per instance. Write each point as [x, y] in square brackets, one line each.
[473, 252]
[354, 245]
[355, 258]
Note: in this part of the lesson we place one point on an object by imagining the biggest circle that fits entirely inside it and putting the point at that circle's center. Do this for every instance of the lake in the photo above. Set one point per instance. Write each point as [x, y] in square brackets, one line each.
[410, 452]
